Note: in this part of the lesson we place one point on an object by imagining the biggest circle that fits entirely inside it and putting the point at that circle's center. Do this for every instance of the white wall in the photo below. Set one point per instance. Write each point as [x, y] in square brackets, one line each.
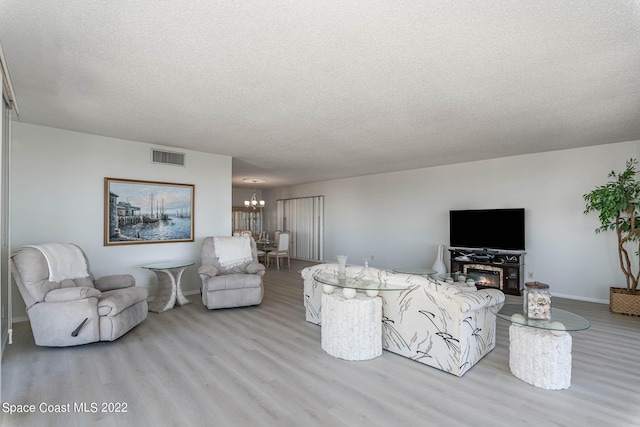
[401, 217]
[57, 195]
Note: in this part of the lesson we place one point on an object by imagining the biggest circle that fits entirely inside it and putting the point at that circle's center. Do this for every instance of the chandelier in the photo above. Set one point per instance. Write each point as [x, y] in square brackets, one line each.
[254, 202]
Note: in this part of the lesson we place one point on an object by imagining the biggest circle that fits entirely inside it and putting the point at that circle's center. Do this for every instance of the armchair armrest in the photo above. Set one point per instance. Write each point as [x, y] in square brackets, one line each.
[472, 301]
[207, 271]
[255, 268]
[71, 294]
[116, 281]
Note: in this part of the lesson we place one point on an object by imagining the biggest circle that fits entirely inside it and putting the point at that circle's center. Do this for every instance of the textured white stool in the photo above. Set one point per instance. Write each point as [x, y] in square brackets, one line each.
[351, 328]
[540, 357]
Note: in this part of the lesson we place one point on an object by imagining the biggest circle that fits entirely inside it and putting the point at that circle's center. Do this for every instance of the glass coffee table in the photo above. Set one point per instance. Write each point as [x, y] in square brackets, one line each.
[352, 320]
[418, 271]
[350, 285]
[540, 350]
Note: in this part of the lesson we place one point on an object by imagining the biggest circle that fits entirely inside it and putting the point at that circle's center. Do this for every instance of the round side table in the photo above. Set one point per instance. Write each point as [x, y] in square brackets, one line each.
[169, 290]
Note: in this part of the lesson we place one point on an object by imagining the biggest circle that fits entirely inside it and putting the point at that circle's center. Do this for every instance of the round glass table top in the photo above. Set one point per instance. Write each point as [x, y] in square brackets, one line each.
[561, 320]
[168, 265]
[360, 283]
[418, 271]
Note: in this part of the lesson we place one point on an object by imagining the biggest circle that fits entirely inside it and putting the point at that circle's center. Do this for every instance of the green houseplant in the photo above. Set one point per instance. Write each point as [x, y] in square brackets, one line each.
[618, 206]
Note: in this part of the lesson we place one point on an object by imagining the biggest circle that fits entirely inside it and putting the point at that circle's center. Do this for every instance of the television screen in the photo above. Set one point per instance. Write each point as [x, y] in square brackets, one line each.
[487, 229]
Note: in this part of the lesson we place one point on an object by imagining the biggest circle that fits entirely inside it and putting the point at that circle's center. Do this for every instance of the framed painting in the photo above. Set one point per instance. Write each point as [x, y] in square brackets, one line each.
[147, 212]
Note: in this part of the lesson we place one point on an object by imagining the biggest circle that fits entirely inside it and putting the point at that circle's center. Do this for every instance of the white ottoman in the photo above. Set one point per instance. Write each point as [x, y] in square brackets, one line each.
[351, 328]
[540, 357]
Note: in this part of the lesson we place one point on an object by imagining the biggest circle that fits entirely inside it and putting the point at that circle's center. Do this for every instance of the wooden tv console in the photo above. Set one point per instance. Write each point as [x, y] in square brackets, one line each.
[503, 270]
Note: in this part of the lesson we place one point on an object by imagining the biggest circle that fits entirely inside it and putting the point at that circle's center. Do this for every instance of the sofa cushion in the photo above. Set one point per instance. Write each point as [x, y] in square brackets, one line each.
[113, 302]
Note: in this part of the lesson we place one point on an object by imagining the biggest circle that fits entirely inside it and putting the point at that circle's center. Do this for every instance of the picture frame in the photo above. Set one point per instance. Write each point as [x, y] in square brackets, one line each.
[139, 212]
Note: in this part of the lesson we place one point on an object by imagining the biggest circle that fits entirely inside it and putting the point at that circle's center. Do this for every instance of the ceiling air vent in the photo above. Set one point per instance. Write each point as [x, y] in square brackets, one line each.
[167, 157]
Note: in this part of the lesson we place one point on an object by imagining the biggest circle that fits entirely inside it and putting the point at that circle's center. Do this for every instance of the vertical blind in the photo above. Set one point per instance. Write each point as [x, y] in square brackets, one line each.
[304, 218]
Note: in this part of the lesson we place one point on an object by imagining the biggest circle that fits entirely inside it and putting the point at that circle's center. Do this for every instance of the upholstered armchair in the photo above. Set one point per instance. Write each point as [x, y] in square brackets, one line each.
[66, 305]
[446, 326]
[230, 272]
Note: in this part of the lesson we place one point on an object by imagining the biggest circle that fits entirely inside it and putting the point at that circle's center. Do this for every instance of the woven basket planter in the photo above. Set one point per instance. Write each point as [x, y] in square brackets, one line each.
[624, 301]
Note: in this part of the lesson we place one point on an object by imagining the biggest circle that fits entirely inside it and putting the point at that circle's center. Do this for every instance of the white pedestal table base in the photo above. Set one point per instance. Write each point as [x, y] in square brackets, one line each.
[169, 290]
[539, 357]
[351, 327]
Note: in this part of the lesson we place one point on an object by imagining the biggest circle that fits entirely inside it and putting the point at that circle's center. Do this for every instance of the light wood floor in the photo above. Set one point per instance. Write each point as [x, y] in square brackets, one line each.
[263, 366]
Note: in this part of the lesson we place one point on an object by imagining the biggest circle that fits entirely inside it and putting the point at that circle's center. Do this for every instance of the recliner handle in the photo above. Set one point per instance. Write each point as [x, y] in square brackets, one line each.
[77, 330]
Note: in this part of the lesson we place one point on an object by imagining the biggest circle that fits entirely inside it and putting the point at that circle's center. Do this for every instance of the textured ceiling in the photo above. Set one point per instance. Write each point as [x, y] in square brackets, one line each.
[301, 91]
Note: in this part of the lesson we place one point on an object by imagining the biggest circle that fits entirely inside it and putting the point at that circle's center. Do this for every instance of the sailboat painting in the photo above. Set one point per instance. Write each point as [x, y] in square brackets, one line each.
[147, 212]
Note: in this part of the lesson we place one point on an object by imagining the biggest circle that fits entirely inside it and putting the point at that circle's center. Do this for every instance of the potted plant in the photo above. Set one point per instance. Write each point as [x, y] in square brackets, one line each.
[618, 206]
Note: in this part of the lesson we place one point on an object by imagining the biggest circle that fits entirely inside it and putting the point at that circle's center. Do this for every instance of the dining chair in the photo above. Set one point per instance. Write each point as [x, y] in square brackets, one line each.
[262, 253]
[281, 250]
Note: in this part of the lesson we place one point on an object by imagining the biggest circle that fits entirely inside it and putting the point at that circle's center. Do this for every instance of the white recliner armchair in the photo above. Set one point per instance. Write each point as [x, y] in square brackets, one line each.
[442, 325]
[66, 305]
[230, 272]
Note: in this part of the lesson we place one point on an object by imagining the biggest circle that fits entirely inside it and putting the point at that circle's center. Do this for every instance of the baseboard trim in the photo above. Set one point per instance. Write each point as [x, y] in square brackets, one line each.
[596, 300]
[20, 319]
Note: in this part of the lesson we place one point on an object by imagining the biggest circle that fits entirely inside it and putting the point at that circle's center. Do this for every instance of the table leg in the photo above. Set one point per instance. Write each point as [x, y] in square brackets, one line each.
[180, 298]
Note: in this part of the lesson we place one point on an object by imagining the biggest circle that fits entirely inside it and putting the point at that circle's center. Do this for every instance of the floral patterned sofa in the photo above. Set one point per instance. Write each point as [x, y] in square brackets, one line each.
[446, 326]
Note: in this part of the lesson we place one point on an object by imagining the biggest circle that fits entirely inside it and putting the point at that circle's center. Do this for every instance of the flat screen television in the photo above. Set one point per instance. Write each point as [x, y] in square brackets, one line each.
[501, 229]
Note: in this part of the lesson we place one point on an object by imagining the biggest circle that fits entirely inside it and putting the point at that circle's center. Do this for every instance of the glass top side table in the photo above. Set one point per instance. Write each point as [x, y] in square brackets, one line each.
[169, 275]
[168, 265]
